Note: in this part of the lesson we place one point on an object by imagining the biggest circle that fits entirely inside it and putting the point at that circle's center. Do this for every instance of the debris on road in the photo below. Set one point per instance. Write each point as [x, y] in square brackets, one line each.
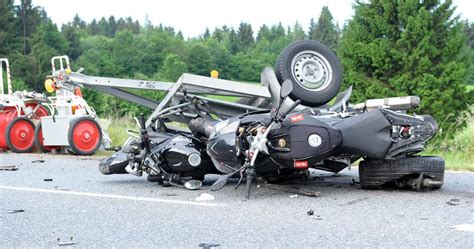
[453, 202]
[38, 161]
[205, 197]
[295, 190]
[310, 212]
[9, 167]
[293, 196]
[65, 243]
[209, 245]
[355, 201]
[48, 179]
[168, 194]
[14, 211]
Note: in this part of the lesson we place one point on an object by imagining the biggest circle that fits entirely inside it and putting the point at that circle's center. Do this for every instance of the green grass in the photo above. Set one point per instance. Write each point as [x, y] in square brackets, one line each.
[224, 98]
[470, 87]
[459, 151]
[117, 129]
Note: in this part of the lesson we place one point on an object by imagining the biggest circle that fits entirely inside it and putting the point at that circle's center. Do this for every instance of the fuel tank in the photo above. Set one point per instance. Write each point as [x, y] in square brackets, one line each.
[183, 153]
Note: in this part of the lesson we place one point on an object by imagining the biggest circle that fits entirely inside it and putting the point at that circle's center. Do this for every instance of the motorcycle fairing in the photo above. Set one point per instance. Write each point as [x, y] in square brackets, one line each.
[295, 132]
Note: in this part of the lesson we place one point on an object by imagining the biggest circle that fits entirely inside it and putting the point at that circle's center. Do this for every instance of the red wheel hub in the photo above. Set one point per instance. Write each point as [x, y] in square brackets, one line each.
[22, 135]
[86, 135]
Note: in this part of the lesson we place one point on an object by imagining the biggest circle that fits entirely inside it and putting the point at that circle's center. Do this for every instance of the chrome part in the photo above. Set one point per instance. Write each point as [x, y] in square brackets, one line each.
[193, 184]
[194, 160]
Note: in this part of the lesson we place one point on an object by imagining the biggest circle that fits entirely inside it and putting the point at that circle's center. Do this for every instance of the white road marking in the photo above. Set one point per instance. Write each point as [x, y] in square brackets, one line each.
[118, 197]
[464, 227]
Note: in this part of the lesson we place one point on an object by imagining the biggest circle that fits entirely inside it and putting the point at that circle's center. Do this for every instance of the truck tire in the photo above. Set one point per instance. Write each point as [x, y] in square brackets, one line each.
[374, 174]
[313, 68]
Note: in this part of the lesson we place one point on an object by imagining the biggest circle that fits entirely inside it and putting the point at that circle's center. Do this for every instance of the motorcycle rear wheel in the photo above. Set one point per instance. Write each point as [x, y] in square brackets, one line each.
[374, 174]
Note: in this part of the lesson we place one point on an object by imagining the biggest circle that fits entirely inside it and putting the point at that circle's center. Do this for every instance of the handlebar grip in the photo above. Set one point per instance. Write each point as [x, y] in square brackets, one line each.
[293, 106]
[141, 121]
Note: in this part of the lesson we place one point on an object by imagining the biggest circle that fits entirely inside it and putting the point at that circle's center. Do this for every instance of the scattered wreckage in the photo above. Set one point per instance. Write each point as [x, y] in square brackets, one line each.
[275, 130]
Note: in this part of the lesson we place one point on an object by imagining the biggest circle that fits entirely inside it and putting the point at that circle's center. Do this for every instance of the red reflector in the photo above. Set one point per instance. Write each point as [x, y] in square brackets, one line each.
[301, 164]
[297, 118]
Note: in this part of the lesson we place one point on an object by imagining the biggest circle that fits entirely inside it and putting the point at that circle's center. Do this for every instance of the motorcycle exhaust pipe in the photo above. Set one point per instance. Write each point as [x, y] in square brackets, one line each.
[114, 165]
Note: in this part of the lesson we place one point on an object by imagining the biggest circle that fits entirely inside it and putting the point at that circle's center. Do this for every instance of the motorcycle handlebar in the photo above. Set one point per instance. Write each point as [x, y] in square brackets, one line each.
[293, 106]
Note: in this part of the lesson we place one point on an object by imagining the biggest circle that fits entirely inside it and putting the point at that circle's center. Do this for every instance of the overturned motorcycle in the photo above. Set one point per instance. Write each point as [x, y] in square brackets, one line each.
[289, 137]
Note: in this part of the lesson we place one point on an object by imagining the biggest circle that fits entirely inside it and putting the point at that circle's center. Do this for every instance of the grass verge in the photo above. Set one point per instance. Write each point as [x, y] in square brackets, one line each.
[459, 151]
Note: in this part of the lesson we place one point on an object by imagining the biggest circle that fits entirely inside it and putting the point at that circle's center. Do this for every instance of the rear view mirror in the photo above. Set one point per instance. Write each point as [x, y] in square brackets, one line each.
[286, 88]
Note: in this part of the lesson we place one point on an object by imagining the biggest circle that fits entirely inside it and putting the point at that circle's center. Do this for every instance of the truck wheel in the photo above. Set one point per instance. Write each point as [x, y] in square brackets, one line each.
[84, 136]
[376, 173]
[313, 68]
[20, 135]
[39, 140]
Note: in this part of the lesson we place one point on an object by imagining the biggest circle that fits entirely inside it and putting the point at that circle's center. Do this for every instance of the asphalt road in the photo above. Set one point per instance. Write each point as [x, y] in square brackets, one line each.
[127, 211]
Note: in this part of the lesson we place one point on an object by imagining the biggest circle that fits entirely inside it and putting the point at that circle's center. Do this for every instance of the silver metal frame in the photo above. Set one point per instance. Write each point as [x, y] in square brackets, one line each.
[194, 86]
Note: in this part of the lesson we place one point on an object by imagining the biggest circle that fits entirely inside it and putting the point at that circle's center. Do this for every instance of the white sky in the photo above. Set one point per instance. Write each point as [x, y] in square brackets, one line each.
[193, 16]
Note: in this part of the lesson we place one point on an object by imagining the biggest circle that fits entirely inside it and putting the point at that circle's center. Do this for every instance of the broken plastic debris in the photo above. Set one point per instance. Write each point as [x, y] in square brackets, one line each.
[9, 167]
[310, 212]
[355, 201]
[65, 243]
[38, 161]
[16, 211]
[293, 196]
[48, 179]
[208, 245]
[205, 197]
[453, 202]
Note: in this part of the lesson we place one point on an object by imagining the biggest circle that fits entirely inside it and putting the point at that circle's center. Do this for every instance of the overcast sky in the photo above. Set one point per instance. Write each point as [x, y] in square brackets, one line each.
[193, 16]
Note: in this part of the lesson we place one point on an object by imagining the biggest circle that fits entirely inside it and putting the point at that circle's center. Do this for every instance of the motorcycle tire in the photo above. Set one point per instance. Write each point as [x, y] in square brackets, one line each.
[374, 174]
[314, 69]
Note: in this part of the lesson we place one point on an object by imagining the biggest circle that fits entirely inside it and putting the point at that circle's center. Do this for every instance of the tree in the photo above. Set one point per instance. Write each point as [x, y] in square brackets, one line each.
[277, 32]
[325, 30]
[112, 26]
[30, 17]
[397, 48]
[8, 39]
[77, 22]
[297, 33]
[263, 33]
[199, 60]
[93, 27]
[245, 34]
[312, 29]
[103, 27]
[206, 34]
[71, 33]
[173, 67]
[469, 31]
[218, 34]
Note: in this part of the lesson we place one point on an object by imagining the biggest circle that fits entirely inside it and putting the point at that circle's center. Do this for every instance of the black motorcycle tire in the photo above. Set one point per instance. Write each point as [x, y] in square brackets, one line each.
[374, 174]
[318, 54]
